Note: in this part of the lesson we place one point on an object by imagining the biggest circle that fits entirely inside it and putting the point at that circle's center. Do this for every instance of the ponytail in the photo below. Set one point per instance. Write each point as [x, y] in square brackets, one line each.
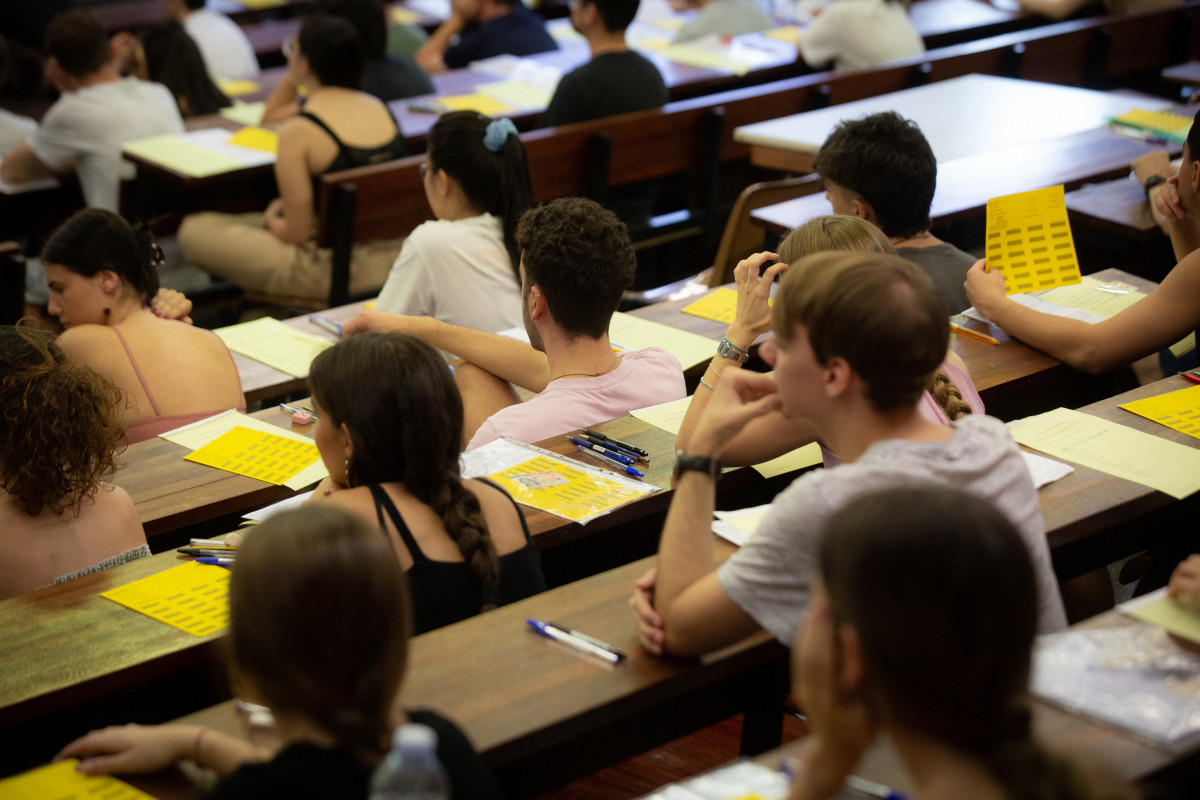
[516, 195]
[948, 396]
[462, 515]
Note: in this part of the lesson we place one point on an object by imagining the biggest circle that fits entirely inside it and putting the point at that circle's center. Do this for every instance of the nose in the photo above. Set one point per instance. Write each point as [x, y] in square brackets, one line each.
[54, 307]
[768, 351]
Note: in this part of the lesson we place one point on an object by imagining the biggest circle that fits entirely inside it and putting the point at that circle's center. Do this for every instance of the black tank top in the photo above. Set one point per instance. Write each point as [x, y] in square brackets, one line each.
[349, 157]
[445, 591]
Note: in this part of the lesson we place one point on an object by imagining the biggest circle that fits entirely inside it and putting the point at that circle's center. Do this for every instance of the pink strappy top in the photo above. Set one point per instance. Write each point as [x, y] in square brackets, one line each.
[143, 429]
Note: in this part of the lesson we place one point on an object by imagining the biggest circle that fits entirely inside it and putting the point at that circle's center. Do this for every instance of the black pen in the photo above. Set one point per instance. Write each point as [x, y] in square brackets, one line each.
[614, 448]
[639, 451]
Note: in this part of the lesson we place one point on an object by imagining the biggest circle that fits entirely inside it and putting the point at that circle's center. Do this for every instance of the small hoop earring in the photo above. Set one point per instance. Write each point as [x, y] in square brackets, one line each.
[346, 467]
[107, 312]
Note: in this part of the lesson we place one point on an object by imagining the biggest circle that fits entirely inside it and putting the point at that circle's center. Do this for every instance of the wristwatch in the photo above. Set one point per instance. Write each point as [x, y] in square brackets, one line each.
[685, 463]
[1151, 182]
[727, 349]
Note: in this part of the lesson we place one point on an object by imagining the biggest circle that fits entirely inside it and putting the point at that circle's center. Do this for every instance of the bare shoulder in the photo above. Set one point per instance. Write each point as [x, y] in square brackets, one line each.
[81, 341]
[114, 505]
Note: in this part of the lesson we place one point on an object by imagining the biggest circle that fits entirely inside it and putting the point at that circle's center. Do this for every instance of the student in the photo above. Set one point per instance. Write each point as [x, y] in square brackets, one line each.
[479, 29]
[859, 34]
[721, 18]
[920, 628]
[950, 394]
[462, 268]
[389, 428]
[319, 626]
[102, 275]
[616, 80]
[59, 436]
[226, 49]
[857, 337]
[172, 59]
[98, 112]
[1164, 317]
[576, 261]
[340, 128]
[882, 169]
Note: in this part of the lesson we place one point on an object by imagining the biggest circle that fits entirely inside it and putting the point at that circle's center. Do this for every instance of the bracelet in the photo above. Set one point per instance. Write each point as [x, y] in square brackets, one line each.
[735, 347]
[196, 744]
[707, 385]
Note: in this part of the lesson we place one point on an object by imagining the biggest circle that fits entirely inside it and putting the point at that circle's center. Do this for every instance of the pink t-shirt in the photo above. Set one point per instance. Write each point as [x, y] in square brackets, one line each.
[644, 378]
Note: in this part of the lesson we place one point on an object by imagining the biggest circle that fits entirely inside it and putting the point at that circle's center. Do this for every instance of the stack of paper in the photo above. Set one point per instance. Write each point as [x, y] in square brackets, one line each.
[738, 526]
[275, 344]
[198, 154]
[630, 332]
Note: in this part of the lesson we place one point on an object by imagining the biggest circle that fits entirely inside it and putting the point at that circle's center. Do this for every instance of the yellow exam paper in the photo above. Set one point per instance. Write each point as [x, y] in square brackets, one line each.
[244, 113]
[788, 33]
[191, 597]
[556, 488]
[175, 153]
[262, 456]
[257, 139]
[475, 102]
[275, 344]
[516, 94]
[1029, 240]
[1088, 296]
[634, 332]
[235, 88]
[61, 782]
[1178, 410]
[656, 44]
[1171, 616]
[668, 23]
[256, 4]
[1172, 126]
[719, 305]
[801, 458]
[404, 16]
[1106, 446]
[695, 56]
[668, 416]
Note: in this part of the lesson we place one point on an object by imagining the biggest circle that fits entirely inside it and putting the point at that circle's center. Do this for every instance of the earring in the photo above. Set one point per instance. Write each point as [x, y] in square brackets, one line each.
[107, 311]
[346, 467]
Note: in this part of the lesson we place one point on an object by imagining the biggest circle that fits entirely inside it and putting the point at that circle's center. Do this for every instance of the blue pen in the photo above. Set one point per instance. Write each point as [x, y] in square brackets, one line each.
[328, 324]
[617, 464]
[596, 447]
[216, 562]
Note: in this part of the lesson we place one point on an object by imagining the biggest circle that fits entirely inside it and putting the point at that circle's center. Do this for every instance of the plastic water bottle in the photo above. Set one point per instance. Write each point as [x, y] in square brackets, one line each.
[411, 770]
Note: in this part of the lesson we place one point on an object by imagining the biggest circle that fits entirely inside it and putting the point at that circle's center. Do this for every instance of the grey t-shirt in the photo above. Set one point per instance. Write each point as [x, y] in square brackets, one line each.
[947, 267]
[769, 576]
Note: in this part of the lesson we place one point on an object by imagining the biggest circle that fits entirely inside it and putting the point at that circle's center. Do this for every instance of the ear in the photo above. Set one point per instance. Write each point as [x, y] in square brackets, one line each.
[850, 666]
[537, 302]
[863, 210]
[837, 377]
[1193, 168]
[109, 281]
[58, 76]
[588, 14]
[347, 440]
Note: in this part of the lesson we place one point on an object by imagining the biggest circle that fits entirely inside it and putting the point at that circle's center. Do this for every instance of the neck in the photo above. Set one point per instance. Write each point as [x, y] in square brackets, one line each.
[921, 239]
[105, 74]
[491, 11]
[851, 432]
[294, 728]
[125, 307]
[942, 773]
[605, 41]
[579, 357]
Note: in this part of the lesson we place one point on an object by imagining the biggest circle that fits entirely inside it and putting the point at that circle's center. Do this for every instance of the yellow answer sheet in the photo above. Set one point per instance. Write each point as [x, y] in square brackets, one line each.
[1088, 295]
[488, 106]
[632, 332]
[556, 488]
[719, 305]
[175, 153]
[697, 56]
[262, 456]
[257, 139]
[1178, 410]
[271, 342]
[60, 781]
[235, 88]
[191, 597]
[404, 16]
[1029, 240]
[1106, 446]
[244, 113]
[517, 94]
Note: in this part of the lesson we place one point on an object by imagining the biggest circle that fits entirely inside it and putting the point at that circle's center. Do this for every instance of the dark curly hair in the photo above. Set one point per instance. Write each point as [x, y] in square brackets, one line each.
[580, 255]
[60, 424]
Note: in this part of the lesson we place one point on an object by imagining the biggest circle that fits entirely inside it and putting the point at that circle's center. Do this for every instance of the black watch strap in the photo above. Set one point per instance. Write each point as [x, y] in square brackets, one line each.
[1151, 182]
[686, 463]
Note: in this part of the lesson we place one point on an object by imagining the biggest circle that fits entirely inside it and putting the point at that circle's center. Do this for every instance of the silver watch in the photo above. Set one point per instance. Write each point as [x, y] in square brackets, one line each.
[726, 349]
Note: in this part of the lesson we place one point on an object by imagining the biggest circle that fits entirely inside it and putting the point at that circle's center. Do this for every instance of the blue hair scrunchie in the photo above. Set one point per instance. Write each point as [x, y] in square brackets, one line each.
[497, 134]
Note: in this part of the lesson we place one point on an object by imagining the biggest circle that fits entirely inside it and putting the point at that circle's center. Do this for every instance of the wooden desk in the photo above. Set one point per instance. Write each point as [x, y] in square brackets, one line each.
[1117, 207]
[1187, 73]
[962, 117]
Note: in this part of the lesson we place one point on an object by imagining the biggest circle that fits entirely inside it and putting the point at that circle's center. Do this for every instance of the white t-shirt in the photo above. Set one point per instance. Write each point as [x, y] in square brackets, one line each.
[14, 129]
[644, 378]
[859, 34]
[725, 18]
[769, 577]
[458, 272]
[91, 124]
[227, 52]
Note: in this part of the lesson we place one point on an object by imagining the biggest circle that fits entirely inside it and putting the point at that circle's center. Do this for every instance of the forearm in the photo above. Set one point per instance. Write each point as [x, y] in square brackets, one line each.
[282, 102]
[430, 56]
[1184, 233]
[738, 337]
[505, 357]
[287, 232]
[224, 753]
[1076, 343]
[22, 165]
[685, 551]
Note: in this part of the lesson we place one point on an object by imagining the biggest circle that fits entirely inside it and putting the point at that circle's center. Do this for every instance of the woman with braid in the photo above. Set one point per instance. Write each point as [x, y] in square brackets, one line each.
[319, 623]
[948, 396]
[389, 429]
[919, 629]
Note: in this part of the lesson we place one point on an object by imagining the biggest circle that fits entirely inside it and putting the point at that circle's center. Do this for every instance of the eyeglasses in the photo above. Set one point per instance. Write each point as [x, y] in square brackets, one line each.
[424, 168]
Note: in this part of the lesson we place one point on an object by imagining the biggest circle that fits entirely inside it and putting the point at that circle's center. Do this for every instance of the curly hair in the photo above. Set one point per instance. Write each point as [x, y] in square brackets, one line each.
[60, 424]
[580, 255]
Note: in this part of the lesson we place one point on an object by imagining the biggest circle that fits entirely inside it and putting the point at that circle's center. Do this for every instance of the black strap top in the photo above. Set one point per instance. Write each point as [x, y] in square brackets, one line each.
[349, 157]
[445, 591]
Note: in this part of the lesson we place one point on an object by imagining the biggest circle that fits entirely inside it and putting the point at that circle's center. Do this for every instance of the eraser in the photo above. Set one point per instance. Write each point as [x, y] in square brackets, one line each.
[302, 418]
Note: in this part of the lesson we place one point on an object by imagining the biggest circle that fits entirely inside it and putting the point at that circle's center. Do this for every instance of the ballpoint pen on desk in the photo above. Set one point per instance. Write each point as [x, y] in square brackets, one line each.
[597, 447]
[617, 465]
[299, 416]
[976, 335]
[616, 449]
[325, 323]
[216, 561]
[577, 640]
[624, 446]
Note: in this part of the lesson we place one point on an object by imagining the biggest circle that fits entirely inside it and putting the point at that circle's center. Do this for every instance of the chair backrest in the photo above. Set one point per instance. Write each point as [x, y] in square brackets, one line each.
[12, 283]
[743, 237]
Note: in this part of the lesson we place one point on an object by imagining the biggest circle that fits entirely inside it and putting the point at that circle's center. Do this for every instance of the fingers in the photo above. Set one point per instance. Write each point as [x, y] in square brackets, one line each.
[361, 323]
[749, 267]
[649, 623]
[648, 580]
[749, 385]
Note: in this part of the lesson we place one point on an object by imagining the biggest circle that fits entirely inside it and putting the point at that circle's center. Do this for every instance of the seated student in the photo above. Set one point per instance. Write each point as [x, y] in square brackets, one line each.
[389, 429]
[59, 434]
[319, 626]
[857, 337]
[479, 29]
[340, 128]
[169, 56]
[950, 394]
[920, 629]
[1162, 318]
[617, 80]
[576, 261]
[98, 112]
[226, 49]
[102, 277]
[384, 76]
[1061, 9]
[859, 34]
[882, 169]
[462, 268]
[721, 18]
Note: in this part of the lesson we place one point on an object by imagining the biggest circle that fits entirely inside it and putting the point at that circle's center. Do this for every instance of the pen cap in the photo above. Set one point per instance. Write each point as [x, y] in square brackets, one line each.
[415, 738]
